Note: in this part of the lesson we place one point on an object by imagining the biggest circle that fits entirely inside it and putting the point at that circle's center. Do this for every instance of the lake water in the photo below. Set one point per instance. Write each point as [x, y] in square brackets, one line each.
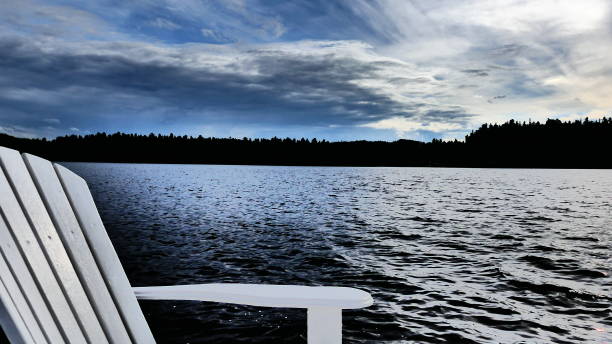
[449, 255]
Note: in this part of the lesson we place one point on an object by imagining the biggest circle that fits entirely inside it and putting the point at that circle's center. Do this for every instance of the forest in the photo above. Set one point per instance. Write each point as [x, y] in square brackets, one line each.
[552, 144]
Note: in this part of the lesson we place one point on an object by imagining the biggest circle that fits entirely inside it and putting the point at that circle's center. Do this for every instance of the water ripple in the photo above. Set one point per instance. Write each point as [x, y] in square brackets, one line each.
[449, 255]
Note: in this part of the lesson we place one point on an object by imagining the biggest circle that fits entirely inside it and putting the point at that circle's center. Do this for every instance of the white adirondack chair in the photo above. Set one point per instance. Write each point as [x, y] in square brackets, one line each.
[62, 282]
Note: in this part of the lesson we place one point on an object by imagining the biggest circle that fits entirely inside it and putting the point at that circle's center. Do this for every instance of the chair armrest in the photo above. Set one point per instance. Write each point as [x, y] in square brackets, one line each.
[264, 295]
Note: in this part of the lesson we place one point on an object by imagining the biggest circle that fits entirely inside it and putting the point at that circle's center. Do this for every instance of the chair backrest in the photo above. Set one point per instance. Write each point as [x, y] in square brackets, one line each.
[60, 278]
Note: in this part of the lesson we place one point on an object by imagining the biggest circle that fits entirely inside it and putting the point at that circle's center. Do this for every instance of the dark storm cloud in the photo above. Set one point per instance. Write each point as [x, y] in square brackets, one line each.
[82, 84]
[453, 115]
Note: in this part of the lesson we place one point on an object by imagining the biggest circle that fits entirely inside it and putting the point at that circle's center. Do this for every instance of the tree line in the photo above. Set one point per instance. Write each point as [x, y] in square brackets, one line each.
[552, 144]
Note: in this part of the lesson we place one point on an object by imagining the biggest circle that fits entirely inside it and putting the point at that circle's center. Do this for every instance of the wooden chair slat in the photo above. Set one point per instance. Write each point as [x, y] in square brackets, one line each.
[17, 300]
[73, 239]
[104, 253]
[38, 215]
[14, 325]
[27, 285]
[36, 258]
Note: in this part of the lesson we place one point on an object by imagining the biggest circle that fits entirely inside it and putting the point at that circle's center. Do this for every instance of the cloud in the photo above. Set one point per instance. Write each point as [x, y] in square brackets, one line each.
[539, 54]
[391, 66]
[164, 24]
[27, 132]
[215, 36]
[216, 21]
[476, 72]
[404, 125]
[31, 18]
[308, 83]
[495, 98]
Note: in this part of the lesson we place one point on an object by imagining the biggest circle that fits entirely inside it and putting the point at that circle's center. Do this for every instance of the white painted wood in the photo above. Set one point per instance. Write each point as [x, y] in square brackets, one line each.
[104, 253]
[263, 295]
[11, 321]
[11, 288]
[36, 259]
[59, 261]
[27, 285]
[324, 325]
[65, 221]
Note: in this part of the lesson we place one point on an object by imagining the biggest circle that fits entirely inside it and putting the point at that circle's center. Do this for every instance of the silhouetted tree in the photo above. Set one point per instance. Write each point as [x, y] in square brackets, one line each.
[572, 144]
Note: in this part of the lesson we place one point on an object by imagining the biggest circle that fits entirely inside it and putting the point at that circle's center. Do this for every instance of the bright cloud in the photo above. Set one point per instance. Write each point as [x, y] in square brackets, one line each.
[403, 125]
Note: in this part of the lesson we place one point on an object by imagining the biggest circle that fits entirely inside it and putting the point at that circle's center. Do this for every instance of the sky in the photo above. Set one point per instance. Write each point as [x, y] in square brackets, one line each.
[335, 70]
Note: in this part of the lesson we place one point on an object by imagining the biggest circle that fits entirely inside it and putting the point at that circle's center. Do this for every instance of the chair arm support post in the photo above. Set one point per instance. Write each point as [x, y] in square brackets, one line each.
[324, 325]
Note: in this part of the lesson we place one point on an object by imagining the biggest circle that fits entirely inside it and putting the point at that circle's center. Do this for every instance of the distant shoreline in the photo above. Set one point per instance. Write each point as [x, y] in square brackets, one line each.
[336, 166]
[554, 144]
